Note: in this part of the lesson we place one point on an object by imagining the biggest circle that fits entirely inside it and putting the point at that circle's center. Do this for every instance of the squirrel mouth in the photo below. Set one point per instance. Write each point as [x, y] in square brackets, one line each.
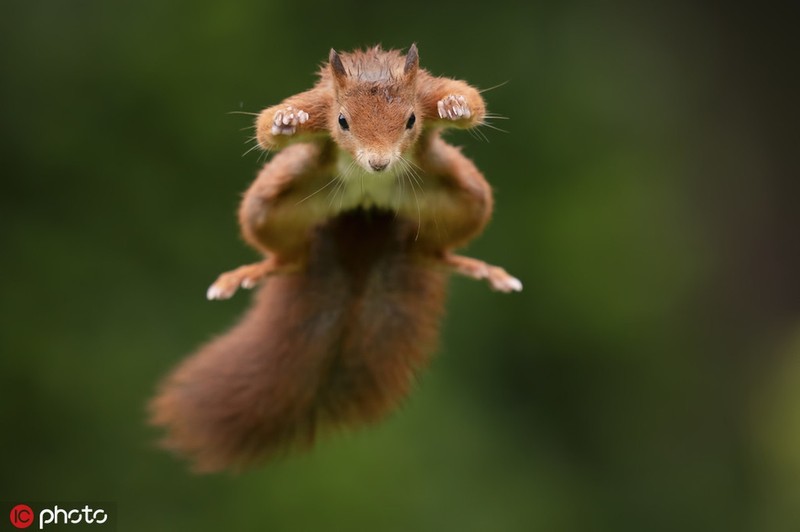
[378, 166]
[375, 162]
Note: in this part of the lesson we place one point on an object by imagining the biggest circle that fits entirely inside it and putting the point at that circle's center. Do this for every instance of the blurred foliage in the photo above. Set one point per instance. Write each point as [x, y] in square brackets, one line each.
[646, 379]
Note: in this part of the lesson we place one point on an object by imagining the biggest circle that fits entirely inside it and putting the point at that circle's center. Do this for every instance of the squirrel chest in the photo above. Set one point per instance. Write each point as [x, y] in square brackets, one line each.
[388, 190]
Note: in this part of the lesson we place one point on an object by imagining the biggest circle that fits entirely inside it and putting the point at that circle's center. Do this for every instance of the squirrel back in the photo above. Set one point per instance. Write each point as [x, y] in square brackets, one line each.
[336, 345]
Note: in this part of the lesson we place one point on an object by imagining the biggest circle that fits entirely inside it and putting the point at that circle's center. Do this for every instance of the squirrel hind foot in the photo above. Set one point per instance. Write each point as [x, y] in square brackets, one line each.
[247, 276]
[499, 279]
[502, 281]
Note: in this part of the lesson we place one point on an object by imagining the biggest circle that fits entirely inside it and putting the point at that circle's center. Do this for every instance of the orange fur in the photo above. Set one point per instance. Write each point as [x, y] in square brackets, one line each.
[350, 312]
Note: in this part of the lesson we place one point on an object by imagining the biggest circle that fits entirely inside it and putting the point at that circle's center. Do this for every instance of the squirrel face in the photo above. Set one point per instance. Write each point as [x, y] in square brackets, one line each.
[374, 114]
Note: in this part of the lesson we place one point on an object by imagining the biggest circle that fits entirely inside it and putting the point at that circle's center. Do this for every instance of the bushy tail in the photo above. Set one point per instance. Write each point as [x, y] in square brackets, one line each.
[338, 344]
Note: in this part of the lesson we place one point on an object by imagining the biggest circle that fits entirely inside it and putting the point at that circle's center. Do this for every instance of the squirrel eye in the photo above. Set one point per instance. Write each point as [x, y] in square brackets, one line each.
[343, 122]
[411, 120]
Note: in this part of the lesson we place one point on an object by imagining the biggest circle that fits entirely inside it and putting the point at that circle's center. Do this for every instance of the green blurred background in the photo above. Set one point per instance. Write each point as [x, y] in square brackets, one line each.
[648, 378]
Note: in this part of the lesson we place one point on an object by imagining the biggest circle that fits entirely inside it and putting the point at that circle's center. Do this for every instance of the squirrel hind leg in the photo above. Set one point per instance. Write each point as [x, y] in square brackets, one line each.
[247, 276]
[498, 278]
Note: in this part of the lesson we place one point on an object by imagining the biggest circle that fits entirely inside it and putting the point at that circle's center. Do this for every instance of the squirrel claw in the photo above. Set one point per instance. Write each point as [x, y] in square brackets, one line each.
[500, 280]
[216, 292]
[453, 107]
[285, 121]
[503, 282]
[222, 288]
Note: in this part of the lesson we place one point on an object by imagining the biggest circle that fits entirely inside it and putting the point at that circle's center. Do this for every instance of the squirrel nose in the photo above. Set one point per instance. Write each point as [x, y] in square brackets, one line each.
[378, 164]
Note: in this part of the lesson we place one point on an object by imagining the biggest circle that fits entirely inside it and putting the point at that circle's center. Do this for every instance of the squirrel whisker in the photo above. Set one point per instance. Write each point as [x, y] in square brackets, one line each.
[320, 189]
[494, 87]
[253, 147]
[242, 113]
[408, 173]
[487, 124]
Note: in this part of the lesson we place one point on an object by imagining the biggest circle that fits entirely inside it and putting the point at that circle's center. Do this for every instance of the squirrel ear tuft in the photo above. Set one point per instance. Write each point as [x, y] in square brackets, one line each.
[336, 65]
[412, 61]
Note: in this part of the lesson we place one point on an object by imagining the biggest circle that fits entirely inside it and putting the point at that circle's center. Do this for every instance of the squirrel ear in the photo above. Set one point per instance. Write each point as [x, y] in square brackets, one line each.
[412, 61]
[337, 68]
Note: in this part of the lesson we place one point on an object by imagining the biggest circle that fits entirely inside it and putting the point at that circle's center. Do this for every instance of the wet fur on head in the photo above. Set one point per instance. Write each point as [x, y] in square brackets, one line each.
[375, 94]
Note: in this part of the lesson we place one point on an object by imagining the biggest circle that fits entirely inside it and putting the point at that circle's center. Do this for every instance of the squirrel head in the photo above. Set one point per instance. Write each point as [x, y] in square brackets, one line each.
[374, 115]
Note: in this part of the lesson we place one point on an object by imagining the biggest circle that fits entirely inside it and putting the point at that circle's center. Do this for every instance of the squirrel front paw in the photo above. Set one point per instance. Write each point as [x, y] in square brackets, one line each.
[453, 107]
[286, 120]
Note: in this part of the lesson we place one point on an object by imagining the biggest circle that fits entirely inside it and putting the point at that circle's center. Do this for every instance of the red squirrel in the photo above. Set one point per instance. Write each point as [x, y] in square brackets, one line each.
[358, 215]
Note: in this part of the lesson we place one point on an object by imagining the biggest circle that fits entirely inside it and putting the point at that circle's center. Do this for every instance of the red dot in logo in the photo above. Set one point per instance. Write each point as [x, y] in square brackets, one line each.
[22, 516]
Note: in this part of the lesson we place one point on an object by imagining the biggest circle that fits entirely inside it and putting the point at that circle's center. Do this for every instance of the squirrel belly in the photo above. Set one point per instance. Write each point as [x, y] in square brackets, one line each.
[336, 345]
